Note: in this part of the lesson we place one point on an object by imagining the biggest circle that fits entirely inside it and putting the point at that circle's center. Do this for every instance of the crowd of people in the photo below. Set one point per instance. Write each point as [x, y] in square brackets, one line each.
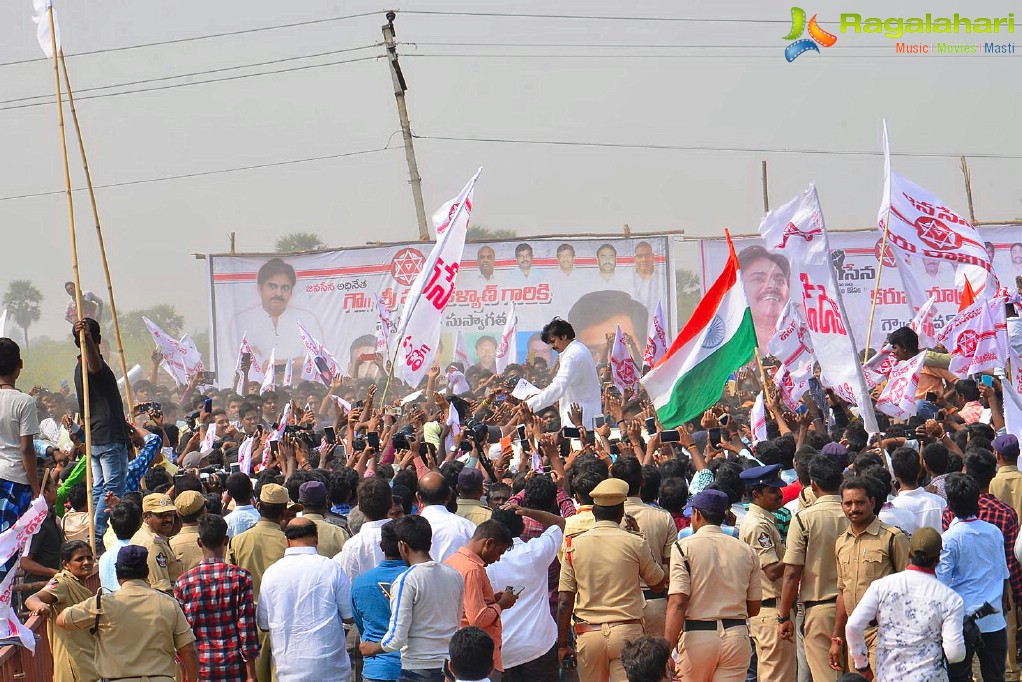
[352, 531]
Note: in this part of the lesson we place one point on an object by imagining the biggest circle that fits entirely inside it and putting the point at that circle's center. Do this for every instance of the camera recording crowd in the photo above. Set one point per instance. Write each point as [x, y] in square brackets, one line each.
[355, 531]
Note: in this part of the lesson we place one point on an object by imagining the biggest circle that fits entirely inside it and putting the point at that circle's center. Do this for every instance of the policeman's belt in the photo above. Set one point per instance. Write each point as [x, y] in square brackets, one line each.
[650, 594]
[829, 600]
[712, 624]
[768, 603]
[582, 628]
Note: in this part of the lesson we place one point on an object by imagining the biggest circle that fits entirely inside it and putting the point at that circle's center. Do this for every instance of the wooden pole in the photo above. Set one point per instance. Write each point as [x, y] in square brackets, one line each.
[86, 412]
[876, 287]
[99, 233]
[968, 190]
[766, 192]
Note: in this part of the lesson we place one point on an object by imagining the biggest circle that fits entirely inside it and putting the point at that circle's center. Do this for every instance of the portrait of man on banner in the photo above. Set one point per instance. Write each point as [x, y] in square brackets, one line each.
[767, 278]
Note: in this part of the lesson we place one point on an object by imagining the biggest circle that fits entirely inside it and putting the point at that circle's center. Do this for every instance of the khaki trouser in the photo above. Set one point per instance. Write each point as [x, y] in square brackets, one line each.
[816, 633]
[776, 659]
[1011, 670]
[599, 652]
[720, 655]
[264, 663]
[654, 617]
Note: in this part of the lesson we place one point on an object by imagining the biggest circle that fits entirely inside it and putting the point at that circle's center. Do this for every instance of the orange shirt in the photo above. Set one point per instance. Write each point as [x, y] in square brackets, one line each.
[480, 607]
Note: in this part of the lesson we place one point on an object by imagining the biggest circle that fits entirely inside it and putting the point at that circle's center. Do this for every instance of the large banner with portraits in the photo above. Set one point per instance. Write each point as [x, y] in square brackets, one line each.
[595, 284]
[855, 257]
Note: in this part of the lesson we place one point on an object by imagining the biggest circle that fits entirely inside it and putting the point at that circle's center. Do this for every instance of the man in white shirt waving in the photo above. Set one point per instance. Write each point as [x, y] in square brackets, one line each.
[576, 380]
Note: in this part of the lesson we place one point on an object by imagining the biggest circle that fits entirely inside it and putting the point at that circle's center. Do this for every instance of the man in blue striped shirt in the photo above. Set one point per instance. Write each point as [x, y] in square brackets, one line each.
[371, 595]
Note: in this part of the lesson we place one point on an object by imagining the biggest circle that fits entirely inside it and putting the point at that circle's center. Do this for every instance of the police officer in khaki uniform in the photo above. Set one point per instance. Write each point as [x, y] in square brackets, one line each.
[657, 526]
[810, 567]
[257, 549]
[190, 507]
[599, 581]
[775, 656]
[868, 550]
[158, 517]
[715, 587]
[313, 496]
[137, 630]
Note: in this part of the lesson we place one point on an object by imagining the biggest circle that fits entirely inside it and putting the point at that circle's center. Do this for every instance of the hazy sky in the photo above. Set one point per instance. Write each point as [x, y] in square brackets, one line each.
[716, 84]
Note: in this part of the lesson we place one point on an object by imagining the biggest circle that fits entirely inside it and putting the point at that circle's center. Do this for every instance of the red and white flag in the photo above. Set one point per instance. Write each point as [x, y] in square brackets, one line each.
[255, 372]
[13, 541]
[175, 354]
[1011, 385]
[879, 367]
[383, 334]
[507, 348]
[790, 387]
[898, 398]
[327, 364]
[976, 338]
[792, 344]
[923, 324]
[419, 328]
[309, 371]
[341, 403]
[656, 338]
[208, 439]
[758, 419]
[288, 374]
[796, 230]
[622, 367]
[245, 456]
[270, 374]
[461, 350]
[923, 226]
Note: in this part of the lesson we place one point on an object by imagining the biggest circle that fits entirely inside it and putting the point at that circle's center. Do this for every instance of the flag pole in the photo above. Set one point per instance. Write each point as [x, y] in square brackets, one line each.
[86, 411]
[99, 232]
[880, 272]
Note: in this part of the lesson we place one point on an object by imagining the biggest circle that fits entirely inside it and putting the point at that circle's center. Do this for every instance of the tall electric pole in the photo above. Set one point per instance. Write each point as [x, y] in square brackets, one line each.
[400, 87]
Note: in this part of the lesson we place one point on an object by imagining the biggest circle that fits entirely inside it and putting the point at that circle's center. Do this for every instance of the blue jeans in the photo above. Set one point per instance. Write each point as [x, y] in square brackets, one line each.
[109, 474]
[422, 675]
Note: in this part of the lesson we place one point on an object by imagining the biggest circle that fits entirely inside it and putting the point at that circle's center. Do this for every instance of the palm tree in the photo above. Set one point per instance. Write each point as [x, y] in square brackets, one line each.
[299, 241]
[478, 233]
[22, 300]
[164, 315]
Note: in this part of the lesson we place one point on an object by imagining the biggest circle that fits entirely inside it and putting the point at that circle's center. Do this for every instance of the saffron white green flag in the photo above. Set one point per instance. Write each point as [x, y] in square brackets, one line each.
[716, 341]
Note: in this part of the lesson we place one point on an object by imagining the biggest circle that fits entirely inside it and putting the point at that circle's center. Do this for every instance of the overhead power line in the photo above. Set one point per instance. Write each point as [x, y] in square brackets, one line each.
[602, 17]
[709, 148]
[201, 174]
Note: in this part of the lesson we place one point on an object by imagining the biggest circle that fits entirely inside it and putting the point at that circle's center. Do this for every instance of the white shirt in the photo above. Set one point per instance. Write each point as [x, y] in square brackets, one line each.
[916, 613]
[108, 568]
[362, 552]
[241, 519]
[926, 507]
[302, 601]
[899, 518]
[576, 381]
[263, 335]
[529, 629]
[18, 417]
[450, 531]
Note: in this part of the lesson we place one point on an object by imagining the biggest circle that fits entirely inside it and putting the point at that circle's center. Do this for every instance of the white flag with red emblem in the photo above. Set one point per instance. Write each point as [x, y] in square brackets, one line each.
[923, 226]
[175, 354]
[325, 363]
[245, 456]
[790, 387]
[792, 344]
[758, 419]
[923, 324]
[879, 367]
[13, 541]
[898, 398]
[507, 348]
[796, 230]
[976, 338]
[383, 335]
[656, 339]
[623, 370]
[419, 329]
[1011, 387]
[288, 374]
[461, 350]
[255, 371]
[270, 374]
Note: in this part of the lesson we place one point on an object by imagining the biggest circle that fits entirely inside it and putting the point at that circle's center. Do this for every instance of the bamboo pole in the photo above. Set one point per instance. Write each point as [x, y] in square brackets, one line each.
[86, 412]
[968, 190]
[99, 233]
[880, 272]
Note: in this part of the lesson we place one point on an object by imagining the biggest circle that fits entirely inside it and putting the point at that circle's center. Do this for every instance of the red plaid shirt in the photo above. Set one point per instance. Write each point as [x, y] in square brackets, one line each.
[993, 511]
[217, 600]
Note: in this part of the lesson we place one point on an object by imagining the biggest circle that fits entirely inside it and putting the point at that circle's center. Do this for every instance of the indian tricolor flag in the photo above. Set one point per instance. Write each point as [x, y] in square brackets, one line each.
[718, 339]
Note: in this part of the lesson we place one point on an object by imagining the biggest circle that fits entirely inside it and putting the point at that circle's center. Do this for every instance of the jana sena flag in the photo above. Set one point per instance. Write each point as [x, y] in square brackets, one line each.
[716, 341]
[419, 328]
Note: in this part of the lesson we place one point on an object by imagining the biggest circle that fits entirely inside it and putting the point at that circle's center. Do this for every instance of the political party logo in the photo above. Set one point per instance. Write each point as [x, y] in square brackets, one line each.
[936, 234]
[791, 230]
[888, 253]
[406, 265]
[817, 36]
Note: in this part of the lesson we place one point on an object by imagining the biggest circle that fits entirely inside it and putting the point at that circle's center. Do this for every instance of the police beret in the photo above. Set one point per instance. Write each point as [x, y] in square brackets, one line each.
[132, 557]
[764, 475]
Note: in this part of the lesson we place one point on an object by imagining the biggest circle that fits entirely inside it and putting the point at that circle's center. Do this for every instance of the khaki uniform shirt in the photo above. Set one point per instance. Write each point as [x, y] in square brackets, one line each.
[473, 510]
[811, 539]
[603, 567]
[1007, 487]
[140, 631]
[878, 551]
[73, 650]
[656, 525]
[186, 545]
[806, 497]
[164, 566]
[256, 549]
[331, 537]
[582, 521]
[718, 574]
[759, 531]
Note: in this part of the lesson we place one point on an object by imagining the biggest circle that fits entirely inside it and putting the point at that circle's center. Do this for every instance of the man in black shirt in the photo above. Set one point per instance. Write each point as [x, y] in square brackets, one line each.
[107, 418]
